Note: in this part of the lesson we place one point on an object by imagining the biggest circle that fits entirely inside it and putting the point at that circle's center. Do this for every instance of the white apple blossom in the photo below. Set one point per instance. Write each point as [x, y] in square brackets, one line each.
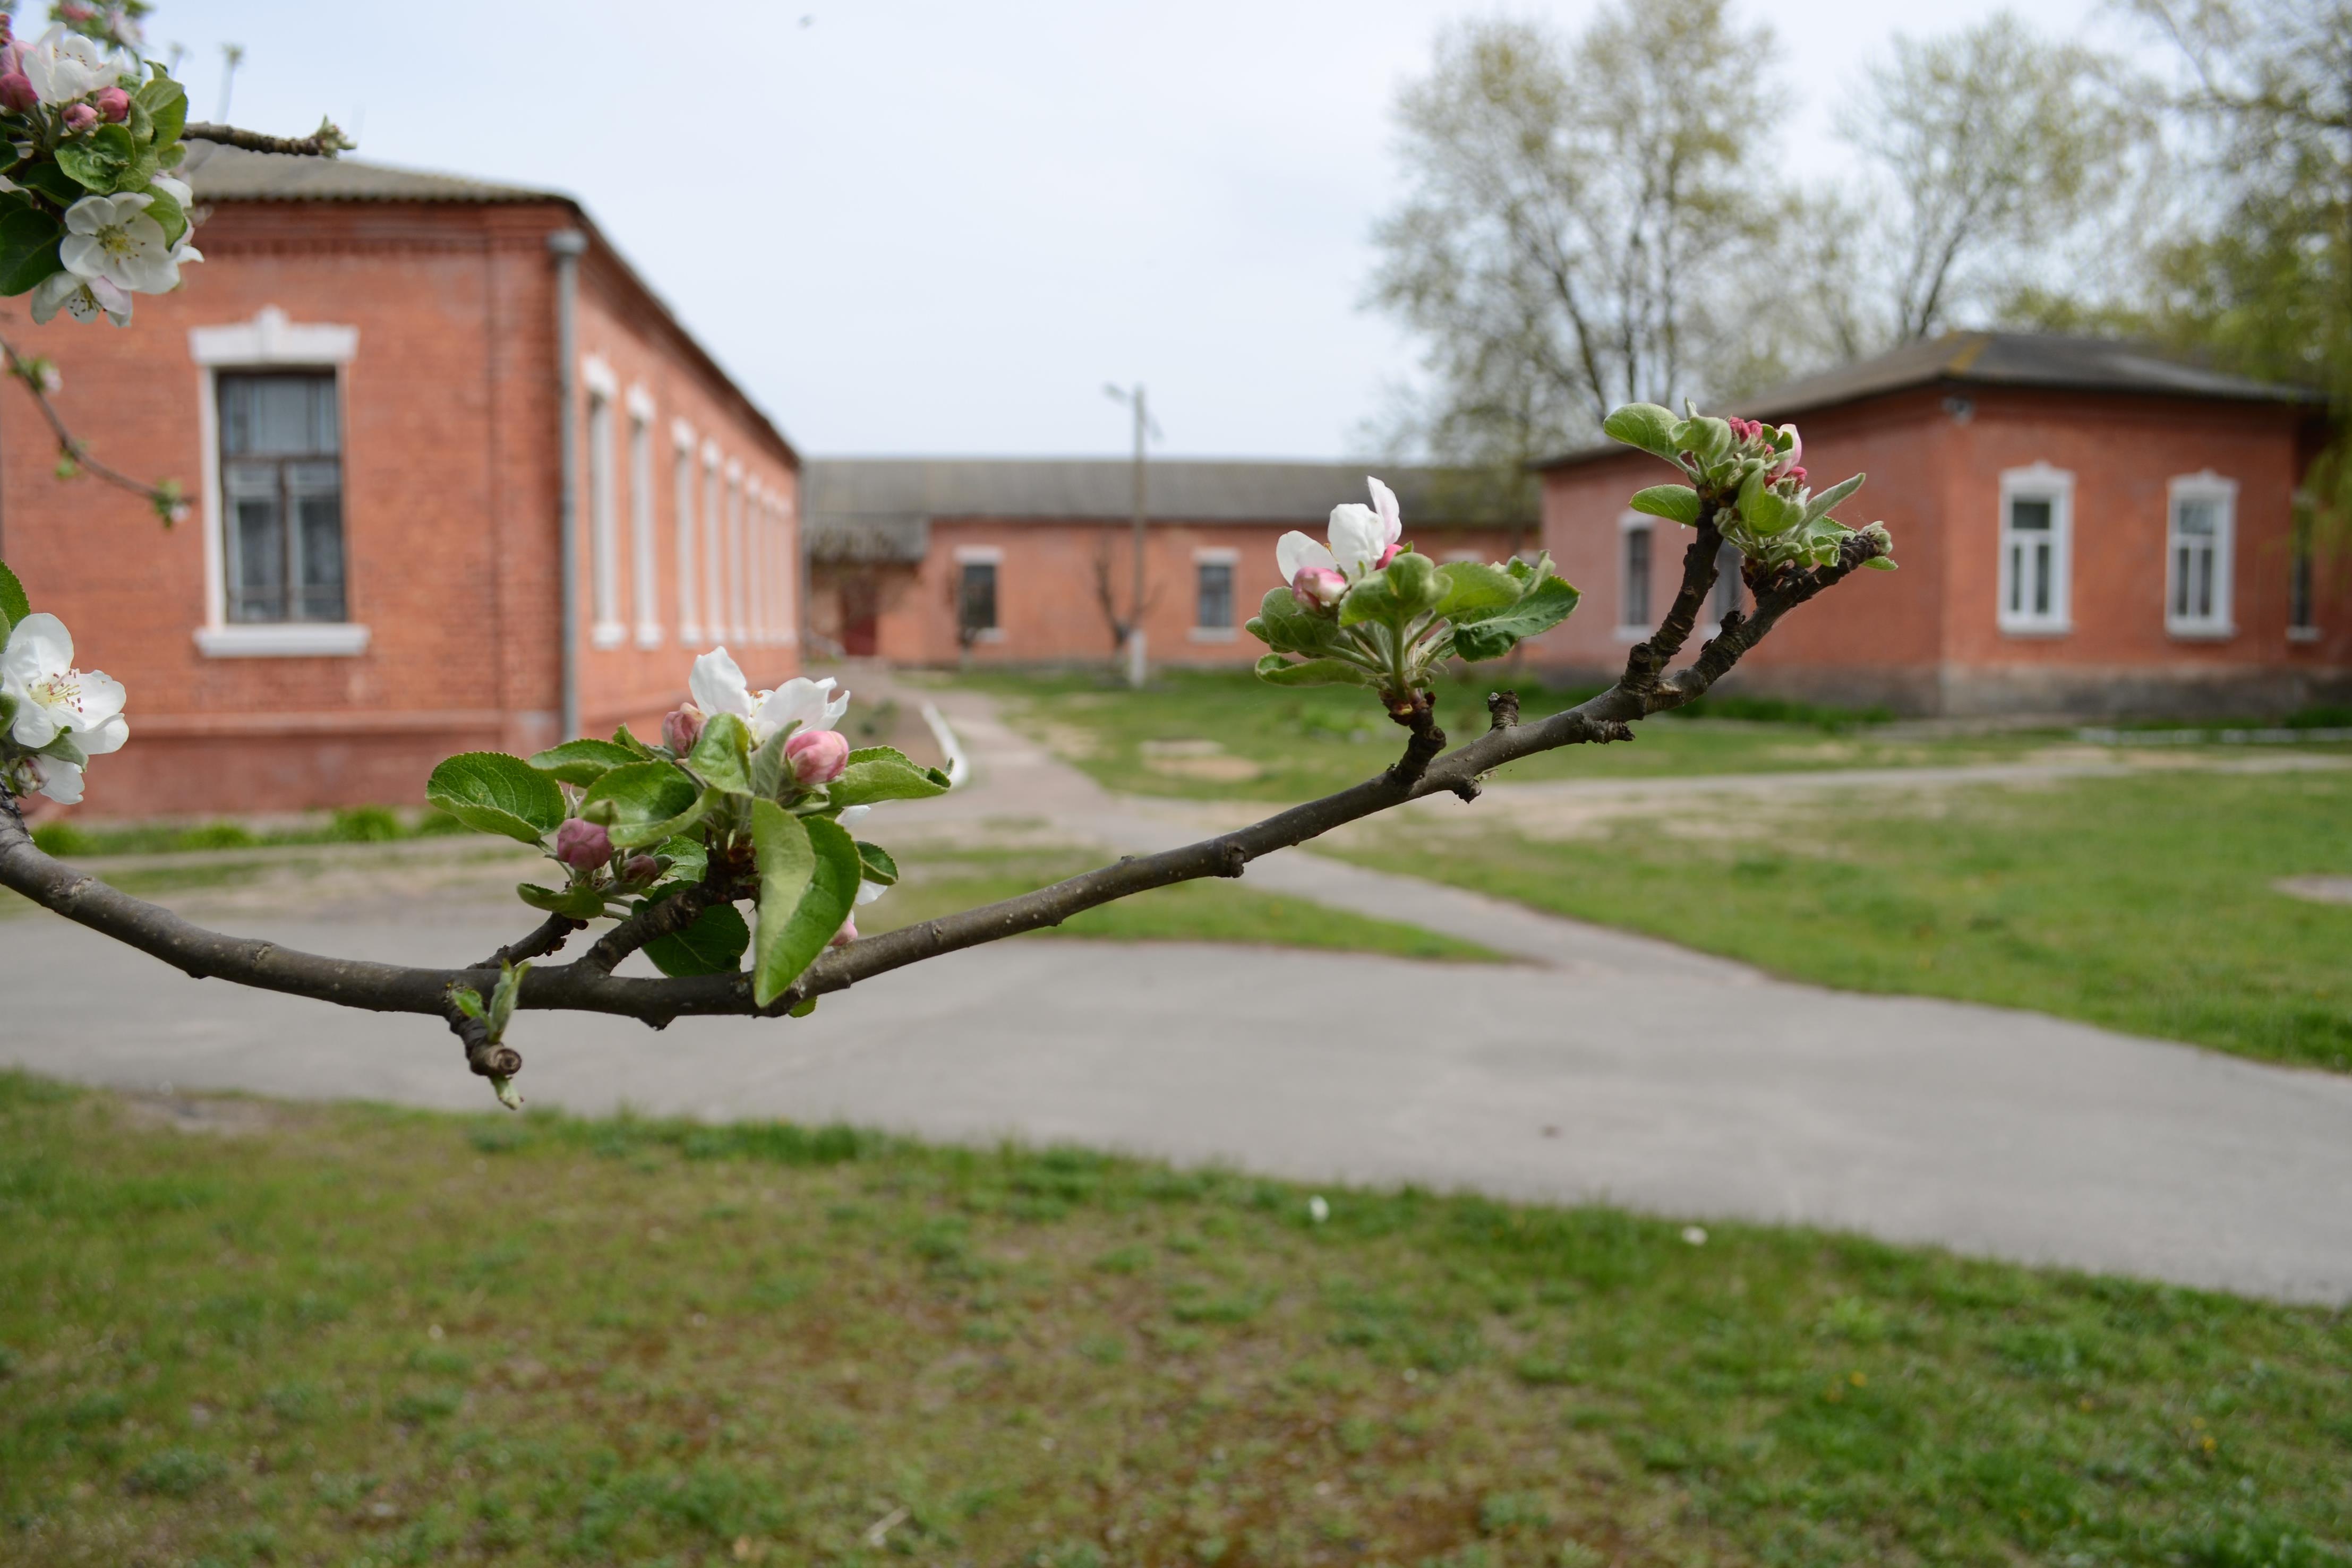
[719, 686]
[83, 298]
[1362, 537]
[112, 237]
[63, 67]
[47, 699]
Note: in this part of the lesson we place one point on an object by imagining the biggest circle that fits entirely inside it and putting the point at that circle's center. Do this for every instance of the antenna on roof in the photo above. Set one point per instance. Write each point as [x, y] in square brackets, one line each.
[232, 56]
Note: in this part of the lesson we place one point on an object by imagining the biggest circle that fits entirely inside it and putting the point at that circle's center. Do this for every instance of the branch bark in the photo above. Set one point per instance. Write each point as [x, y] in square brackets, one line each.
[587, 984]
[324, 142]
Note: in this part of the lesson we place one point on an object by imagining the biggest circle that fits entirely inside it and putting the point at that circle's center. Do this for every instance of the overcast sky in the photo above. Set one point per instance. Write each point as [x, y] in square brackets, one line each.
[940, 226]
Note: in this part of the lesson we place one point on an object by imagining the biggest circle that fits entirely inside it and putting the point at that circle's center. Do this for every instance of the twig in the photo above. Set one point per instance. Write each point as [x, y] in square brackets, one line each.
[549, 936]
[582, 986]
[167, 499]
[324, 142]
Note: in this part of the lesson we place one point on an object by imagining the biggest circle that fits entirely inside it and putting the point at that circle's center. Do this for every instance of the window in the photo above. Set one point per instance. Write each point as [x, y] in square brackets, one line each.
[739, 574]
[714, 546]
[641, 518]
[2036, 526]
[1213, 595]
[2196, 556]
[1633, 592]
[603, 525]
[689, 626]
[1726, 582]
[282, 487]
[976, 598]
[2302, 608]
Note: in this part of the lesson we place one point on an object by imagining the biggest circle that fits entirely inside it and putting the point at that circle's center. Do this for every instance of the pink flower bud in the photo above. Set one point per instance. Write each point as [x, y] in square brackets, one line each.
[1387, 555]
[1318, 588]
[73, 13]
[640, 868]
[113, 103]
[817, 755]
[846, 935]
[681, 726]
[80, 117]
[583, 846]
[1789, 458]
[16, 94]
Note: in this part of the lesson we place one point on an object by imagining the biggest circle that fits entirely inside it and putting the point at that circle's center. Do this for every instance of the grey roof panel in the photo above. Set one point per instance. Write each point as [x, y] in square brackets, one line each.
[2042, 359]
[223, 173]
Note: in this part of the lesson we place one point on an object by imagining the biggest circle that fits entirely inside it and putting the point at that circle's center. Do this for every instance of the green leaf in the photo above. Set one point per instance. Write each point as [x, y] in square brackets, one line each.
[164, 208]
[1286, 626]
[582, 762]
[29, 239]
[802, 1009]
[166, 102]
[713, 945]
[1473, 589]
[808, 884]
[721, 757]
[504, 996]
[689, 861]
[1764, 511]
[491, 792]
[99, 160]
[50, 180]
[1276, 670]
[1880, 563]
[650, 802]
[580, 903]
[1706, 438]
[1675, 503]
[1543, 607]
[879, 868]
[635, 747]
[1819, 507]
[1372, 599]
[467, 1001]
[14, 605]
[884, 773]
[768, 767]
[1645, 425]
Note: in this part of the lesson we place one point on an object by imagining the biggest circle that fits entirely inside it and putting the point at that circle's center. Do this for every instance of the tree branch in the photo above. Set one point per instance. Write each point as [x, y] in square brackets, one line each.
[167, 499]
[587, 985]
[550, 934]
[324, 142]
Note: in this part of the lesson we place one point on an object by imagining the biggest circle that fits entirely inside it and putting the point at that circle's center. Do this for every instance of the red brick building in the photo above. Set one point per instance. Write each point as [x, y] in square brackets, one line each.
[365, 388]
[906, 551]
[2083, 526]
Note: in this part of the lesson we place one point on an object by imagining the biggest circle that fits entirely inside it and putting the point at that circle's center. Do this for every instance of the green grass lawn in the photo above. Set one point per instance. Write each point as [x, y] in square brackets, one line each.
[2144, 904]
[1211, 734]
[349, 1335]
[1207, 911]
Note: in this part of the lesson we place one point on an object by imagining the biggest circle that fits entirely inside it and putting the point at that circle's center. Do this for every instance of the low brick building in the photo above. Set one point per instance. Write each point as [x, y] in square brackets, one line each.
[929, 561]
[2083, 526]
[364, 388]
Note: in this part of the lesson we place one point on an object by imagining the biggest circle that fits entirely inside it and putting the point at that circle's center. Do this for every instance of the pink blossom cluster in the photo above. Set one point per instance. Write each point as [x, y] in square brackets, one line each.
[1755, 432]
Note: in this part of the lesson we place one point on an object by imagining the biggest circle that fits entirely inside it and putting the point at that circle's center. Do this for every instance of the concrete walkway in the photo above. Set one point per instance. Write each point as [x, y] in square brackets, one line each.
[1609, 1066]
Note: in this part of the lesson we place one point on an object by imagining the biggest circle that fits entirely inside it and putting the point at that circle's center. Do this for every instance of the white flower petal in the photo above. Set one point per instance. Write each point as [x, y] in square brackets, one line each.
[1357, 538]
[39, 645]
[868, 892]
[102, 697]
[852, 815]
[718, 684]
[799, 701]
[53, 294]
[1294, 552]
[1384, 503]
[107, 735]
[60, 781]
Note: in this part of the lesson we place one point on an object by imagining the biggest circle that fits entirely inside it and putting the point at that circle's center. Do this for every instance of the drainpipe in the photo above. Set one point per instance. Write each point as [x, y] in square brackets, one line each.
[567, 245]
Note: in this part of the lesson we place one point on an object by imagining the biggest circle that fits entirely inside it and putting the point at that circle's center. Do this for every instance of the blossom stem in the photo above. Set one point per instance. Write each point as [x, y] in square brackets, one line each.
[164, 498]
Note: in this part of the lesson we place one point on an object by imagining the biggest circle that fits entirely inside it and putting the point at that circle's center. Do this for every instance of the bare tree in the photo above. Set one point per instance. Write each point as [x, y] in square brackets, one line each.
[1575, 207]
[1989, 149]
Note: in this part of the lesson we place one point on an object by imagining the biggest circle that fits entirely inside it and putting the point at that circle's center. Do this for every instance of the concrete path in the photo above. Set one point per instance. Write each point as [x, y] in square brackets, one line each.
[1609, 1068]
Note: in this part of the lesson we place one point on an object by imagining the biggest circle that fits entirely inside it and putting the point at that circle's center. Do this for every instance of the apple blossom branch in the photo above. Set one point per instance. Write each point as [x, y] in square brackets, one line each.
[40, 379]
[324, 142]
[588, 985]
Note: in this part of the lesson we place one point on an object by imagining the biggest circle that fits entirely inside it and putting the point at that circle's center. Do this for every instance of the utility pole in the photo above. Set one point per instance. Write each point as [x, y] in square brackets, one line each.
[1138, 659]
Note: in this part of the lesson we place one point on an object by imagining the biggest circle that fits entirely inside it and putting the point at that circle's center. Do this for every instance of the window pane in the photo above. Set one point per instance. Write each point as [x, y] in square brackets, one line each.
[2197, 519]
[274, 416]
[977, 606]
[1215, 606]
[2029, 516]
[1726, 581]
[2040, 553]
[1637, 578]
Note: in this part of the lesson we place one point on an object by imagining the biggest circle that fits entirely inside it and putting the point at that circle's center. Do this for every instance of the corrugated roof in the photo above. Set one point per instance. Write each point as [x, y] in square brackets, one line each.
[847, 497]
[2042, 359]
[224, 174]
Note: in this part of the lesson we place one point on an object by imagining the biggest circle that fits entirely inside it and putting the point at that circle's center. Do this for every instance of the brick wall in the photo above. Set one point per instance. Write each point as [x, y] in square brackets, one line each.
[449, 482]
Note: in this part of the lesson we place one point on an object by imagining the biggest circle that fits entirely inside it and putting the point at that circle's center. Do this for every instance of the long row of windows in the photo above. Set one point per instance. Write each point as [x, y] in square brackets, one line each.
[734, 571]
[2035, 590]
[1212, 592]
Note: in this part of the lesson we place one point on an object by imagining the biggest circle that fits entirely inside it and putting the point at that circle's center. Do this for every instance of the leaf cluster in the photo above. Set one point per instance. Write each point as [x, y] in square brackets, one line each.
[1739, 484]
[51, 167]
[1397, 623]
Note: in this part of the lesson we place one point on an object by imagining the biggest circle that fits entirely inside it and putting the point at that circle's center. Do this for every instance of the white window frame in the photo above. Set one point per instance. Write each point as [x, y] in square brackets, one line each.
[714, 546]
[1217, 555]
[682, 478]
[2056, 486]
[603, 509]
[788, 567]
[268, 341]
[645, 582]
[2205, 486]
[737, 605]
[982, 554]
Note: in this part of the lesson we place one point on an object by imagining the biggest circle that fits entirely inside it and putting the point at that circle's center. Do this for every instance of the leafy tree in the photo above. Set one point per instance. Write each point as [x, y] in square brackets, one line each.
[1577, 205]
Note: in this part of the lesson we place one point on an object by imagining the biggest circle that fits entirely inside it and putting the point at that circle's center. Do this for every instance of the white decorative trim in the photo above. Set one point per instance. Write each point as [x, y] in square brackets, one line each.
[979, 555]
[681, 435]
[2303, 633]
[1211, 633]
[597, 377]
[608, 634]
[1216, 555]
[2042, 483]
[2221, 624]
[270, 338]
[641, 403]
[283, 640]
